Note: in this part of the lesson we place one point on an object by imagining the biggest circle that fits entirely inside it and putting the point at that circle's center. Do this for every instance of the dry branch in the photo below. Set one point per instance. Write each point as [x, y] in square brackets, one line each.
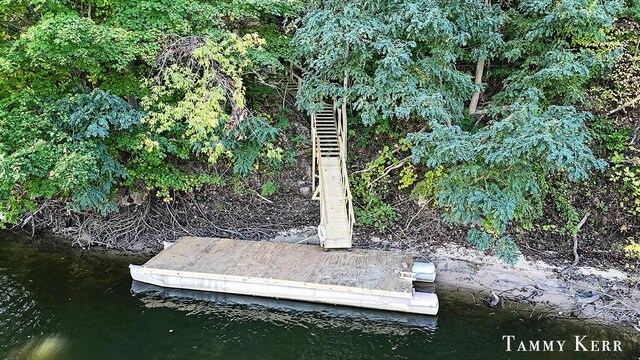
[576, 257]
[625, 105]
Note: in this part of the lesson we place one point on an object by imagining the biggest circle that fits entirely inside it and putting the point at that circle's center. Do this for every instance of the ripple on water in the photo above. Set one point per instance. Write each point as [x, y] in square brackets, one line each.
[19, 314]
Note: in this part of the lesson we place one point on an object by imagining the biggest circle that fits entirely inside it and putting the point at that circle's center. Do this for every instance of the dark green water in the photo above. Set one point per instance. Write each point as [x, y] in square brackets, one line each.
[65, 304]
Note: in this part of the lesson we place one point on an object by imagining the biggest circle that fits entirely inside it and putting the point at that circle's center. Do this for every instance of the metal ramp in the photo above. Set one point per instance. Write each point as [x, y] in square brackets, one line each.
[331, 181]
[330, 178]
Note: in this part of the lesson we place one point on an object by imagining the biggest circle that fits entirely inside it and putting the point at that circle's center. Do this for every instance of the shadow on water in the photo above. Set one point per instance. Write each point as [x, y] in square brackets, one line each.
[279, 311]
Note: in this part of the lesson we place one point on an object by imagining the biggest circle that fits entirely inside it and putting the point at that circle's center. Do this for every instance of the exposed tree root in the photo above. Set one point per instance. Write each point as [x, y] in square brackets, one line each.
[147, 225]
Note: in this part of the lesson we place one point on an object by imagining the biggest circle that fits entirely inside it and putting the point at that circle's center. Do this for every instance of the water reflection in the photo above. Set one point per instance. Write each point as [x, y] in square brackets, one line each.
[283, 312]
[40, 348]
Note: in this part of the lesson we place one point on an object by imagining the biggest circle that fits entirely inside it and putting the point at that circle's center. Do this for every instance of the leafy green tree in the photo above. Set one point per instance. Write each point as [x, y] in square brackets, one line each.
[63, 153]
[87, 106]
[412, 60]
[204, 77]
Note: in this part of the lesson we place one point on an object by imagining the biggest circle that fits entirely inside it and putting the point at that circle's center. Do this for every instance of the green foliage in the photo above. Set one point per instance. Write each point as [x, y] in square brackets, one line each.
[63, 153]
[95, 114]
[400, 55]
[269, 188]
[426, 189]
[607, 137]
[372, 186]
[375, 212]
[188, 100]
[500, 170]
[626, 172]
[413, 60]
[562, 197]
[633, 10]
[622, 84]
[504, 246]
[66, 67]
[61, 49]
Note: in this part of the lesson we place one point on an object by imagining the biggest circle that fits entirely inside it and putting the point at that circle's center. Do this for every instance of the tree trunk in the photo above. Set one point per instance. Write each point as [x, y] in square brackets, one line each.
[473, 105]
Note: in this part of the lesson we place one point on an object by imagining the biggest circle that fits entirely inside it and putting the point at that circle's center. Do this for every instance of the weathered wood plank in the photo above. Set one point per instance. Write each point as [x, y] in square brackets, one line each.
[373, 270]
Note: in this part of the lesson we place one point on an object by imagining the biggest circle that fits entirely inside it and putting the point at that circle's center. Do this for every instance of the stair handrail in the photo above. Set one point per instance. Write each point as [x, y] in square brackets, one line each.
[293, 73]
[314, 154]
[323, 197]
[344, 178]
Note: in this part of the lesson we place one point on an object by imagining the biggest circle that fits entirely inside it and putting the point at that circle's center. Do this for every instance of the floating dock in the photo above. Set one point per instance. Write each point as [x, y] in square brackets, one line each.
[372, 279]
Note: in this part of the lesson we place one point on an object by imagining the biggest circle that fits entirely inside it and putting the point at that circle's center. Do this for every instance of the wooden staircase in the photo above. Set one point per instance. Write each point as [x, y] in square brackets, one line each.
[330, 177]
[330, 172]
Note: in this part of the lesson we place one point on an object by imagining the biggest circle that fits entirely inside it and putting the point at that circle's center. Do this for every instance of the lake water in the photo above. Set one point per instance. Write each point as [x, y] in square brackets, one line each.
[59, 303]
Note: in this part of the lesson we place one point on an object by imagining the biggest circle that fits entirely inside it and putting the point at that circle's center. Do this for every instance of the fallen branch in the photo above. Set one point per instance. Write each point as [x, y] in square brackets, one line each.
[260, 196]
[625, 105]
[576, 257]
[388, 169]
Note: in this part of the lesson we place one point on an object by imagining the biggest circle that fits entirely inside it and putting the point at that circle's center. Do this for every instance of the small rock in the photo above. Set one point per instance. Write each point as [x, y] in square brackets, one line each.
[305, 191]
[492, 300]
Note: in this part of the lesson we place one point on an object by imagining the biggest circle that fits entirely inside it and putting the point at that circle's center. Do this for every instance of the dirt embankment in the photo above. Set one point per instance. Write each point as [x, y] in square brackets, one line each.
[610, 295]
[539, 288]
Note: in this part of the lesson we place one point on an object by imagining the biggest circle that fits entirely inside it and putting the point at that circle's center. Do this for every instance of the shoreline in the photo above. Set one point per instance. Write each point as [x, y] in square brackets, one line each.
[590, 294]
[584, 293]
[534, 288]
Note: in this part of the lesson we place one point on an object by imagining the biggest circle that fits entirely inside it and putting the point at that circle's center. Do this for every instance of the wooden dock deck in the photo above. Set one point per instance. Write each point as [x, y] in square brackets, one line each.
[363, 278]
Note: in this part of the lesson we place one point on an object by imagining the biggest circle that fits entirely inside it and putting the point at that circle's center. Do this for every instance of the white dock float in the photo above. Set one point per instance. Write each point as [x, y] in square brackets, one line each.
[361, 278]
